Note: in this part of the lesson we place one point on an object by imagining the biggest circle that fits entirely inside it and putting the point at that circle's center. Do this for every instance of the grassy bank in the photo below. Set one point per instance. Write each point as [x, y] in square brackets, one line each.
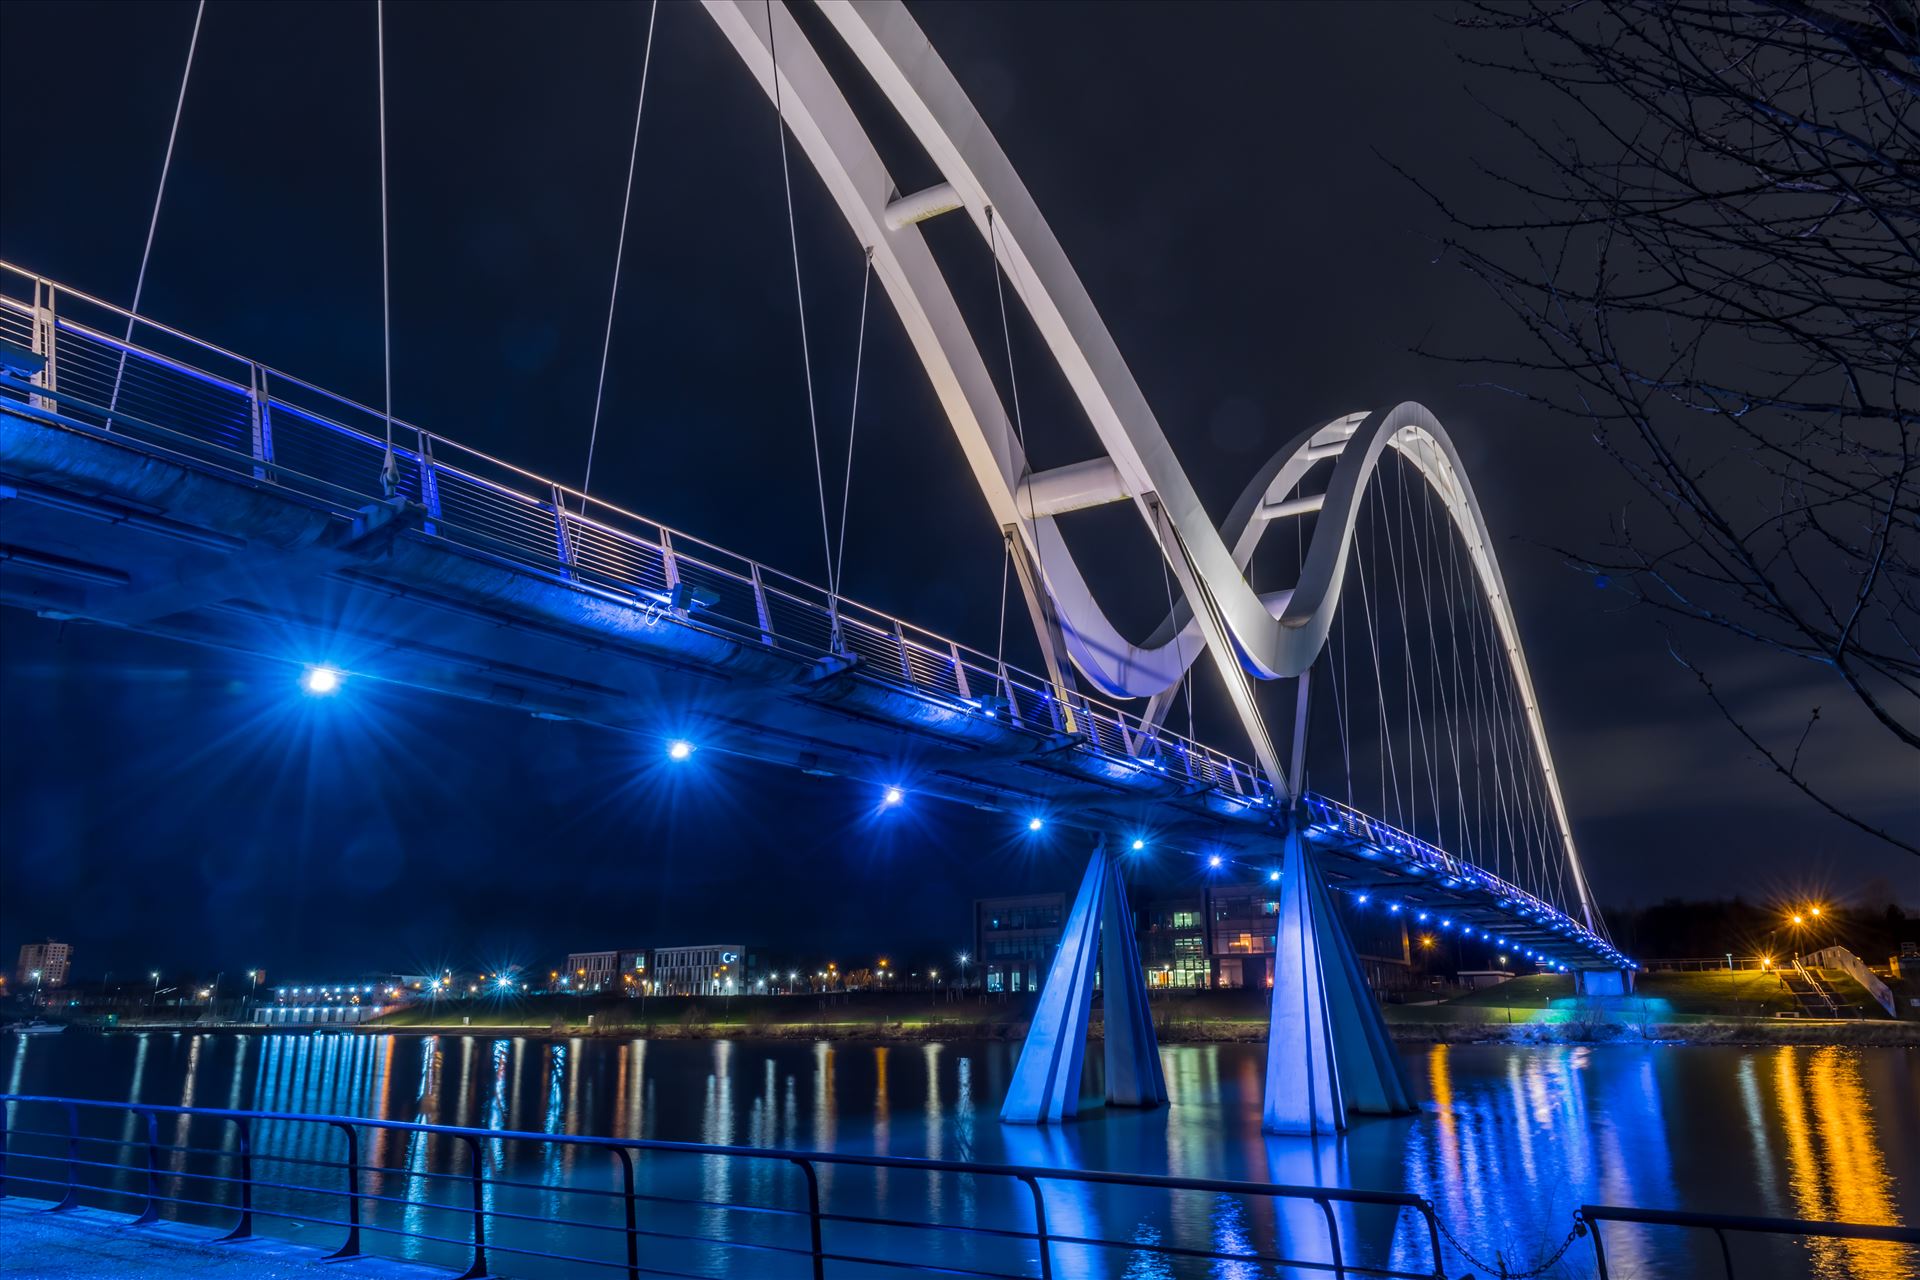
[1526, 1010]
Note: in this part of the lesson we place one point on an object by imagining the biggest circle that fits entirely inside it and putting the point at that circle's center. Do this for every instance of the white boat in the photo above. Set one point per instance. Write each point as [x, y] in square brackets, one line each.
[37, 1027]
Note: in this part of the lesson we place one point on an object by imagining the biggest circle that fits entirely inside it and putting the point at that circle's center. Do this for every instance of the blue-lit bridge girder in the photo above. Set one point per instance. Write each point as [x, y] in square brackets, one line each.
[1099, 929]
[1328, 1051]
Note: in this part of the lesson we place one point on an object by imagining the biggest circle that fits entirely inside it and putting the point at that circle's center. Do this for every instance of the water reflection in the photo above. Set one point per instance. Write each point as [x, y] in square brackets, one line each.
[1508, 1142]
[1837, 1169]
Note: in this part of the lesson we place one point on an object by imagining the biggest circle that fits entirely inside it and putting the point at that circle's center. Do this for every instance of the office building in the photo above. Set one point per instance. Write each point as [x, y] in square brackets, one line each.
[716, 969]
[49, 959]
[592, 971]
[1014, 939]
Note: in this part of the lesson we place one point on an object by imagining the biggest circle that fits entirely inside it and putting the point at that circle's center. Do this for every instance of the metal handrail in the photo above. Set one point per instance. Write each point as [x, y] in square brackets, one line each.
[1366, 827]
[1721, 1223]
[479, 1211]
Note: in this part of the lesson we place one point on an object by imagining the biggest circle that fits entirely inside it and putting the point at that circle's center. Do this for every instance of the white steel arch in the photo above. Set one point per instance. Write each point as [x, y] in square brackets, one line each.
[1275, 635]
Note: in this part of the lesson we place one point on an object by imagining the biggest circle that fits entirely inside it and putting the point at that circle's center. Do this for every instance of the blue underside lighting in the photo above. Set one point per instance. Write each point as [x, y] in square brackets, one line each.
[679, 749]
[894, 795]
[1034, 824]
[1138, 845]
[320, 681]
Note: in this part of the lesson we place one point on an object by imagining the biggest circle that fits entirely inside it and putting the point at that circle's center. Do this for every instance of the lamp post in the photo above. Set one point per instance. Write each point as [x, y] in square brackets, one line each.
[36, 986]
[155, 1000]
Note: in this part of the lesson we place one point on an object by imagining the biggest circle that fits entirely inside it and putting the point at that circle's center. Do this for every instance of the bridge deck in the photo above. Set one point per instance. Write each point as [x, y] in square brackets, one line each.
[205, 498]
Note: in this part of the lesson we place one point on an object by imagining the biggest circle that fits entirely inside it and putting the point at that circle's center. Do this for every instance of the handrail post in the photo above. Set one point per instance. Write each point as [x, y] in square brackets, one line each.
[1040, 1225]
[1433, 1237]
[760, 604]
[72, 1199]
[813, 1217]
[245, 1228]
[44, 329]
[1599, 1251]
[669, 567]
[1333, 1236]
[351, 1249]
[429, 483]
[477, 1176]
[900, 639]
[562, 544]
[151, 1211]
[257, 419]
[633, 1234]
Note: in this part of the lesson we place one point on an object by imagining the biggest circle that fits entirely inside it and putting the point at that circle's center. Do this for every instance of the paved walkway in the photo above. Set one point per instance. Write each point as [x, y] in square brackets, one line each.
[85, 1244]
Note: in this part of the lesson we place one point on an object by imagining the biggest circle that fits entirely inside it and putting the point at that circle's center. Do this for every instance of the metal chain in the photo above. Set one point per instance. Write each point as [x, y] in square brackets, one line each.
[1578, 1230]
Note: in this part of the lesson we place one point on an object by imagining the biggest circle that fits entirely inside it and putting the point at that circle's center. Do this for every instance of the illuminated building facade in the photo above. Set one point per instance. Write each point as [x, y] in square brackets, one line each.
[50, 959]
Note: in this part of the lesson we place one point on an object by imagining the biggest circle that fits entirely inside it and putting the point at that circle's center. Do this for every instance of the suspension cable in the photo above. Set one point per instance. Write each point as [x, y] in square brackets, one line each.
[389, 470]
[619, 253]
[153, 222]
[853, 420]
[806, 352]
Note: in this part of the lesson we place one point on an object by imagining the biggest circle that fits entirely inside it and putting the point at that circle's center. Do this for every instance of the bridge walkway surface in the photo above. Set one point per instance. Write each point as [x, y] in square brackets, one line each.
[81, 1244]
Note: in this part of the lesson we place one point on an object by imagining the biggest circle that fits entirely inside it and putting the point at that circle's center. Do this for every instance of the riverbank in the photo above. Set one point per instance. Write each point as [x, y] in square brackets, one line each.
[1531, 1010]
[1407, 1025]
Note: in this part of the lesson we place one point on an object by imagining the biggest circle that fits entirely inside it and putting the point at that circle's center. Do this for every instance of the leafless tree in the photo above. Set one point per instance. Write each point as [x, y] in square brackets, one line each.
[1717, 249]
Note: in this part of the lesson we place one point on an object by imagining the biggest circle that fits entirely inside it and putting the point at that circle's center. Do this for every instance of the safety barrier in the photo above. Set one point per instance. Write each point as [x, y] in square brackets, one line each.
[450, 1195]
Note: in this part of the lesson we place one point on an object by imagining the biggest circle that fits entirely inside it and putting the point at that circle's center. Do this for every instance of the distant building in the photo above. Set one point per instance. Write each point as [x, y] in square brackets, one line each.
[718, 969]
[606, 970]
[1173, 942]
[1219, 936]
[49, 959]
[1014, 939]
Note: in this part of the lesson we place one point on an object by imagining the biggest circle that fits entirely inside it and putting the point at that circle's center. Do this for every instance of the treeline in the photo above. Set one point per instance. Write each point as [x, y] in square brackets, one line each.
[1674, 929]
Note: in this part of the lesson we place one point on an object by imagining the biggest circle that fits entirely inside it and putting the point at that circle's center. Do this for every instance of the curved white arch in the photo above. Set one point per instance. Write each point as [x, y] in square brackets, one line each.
[1275, 637]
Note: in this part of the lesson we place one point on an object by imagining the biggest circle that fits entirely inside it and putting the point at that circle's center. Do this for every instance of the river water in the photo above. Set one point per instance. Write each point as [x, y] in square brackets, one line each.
[1509, 1140]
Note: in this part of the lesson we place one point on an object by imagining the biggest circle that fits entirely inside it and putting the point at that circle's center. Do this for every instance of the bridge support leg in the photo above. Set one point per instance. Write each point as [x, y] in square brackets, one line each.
[1328, 1051]
[1046, 1083]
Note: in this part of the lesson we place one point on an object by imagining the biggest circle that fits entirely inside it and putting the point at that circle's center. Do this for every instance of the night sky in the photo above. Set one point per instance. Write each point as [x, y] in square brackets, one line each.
[1219, 175]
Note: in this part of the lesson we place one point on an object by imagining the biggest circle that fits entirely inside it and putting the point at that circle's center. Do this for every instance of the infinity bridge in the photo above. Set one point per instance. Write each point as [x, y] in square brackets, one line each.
[153, 481]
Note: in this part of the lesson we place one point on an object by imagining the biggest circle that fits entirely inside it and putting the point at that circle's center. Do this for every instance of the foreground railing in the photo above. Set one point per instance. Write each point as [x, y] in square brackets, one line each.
[721, 1210]
[1868, 1250]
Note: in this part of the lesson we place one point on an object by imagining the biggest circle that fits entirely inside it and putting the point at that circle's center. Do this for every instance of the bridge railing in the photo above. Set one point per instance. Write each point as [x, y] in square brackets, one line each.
[111, 370]
[1410, 850]
[502, 1202]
